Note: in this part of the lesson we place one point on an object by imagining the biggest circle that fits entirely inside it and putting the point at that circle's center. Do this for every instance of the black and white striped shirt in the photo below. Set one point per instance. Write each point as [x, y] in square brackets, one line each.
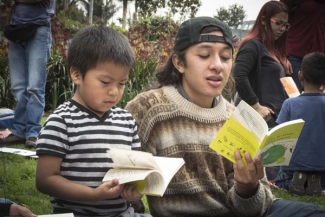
[82, 139]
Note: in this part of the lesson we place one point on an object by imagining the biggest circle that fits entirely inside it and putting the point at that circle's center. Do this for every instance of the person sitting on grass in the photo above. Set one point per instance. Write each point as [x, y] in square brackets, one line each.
[9, 208]
[307, 165]
[73, 144]
[180, 118]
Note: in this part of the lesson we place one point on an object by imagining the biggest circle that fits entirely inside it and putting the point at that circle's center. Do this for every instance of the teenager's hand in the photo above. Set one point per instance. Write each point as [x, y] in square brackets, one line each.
[45, 3]
[247, 179]
[108, 190]
[290, 70]
[17, 210]
[130, 193]
[265, 112]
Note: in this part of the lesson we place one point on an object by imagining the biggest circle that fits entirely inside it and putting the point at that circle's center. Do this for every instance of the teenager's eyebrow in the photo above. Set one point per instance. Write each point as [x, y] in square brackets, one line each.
[208, 45]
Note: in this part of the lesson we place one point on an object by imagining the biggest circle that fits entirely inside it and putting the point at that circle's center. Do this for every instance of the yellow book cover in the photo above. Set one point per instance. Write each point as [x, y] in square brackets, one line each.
[247, 132]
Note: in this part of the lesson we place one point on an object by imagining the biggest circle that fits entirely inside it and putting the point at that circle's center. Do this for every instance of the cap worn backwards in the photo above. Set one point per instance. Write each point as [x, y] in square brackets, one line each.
[189, 33]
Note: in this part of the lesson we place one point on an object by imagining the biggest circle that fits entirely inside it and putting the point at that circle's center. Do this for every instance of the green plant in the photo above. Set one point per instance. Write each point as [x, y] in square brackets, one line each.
[59, 87]
[152, 46]
[6, 98]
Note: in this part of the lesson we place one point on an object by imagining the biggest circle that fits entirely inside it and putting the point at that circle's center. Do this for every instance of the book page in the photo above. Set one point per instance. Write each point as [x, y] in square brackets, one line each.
[127, 175]
[153, 185]
[132, 159]
[251, 120]
[58, 215]
[22, 152]
[279, 144]
[149, 182]
[233, 136]
[290, 86]
[169, 167]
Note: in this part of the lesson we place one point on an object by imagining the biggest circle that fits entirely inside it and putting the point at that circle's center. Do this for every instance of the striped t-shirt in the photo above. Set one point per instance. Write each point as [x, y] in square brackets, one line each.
[82, 139]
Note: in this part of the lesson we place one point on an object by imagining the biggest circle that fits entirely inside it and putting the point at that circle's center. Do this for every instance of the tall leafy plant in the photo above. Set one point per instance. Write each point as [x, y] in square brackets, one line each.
[152, 41]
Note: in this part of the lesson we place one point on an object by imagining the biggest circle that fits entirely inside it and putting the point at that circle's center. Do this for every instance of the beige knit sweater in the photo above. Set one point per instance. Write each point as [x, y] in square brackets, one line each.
[171, 126]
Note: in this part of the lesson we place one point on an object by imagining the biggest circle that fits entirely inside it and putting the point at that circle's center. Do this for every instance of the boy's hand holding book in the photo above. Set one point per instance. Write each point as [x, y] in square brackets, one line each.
[150, 174]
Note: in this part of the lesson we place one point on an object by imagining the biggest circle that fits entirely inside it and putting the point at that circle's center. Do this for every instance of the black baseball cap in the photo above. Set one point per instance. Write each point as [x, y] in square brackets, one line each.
[189, 33]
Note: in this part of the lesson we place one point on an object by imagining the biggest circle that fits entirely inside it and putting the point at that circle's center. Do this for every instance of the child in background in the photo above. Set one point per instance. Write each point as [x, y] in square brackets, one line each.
[73, 144]
[307, 163]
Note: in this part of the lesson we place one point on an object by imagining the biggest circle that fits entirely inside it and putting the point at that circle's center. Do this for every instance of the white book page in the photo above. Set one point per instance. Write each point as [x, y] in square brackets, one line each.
[58, 215]
[154, 185]
[169, 167]
[251, 120]
[126, 175]
[132, 159]
[21, 152]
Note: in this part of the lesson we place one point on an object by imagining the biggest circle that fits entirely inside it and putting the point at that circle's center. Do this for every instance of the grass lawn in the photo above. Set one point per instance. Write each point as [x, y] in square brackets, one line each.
[17, 182]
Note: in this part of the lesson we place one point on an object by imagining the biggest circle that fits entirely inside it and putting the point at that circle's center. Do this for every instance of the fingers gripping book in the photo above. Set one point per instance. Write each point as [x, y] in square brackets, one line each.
[150, 174]
[247, 131]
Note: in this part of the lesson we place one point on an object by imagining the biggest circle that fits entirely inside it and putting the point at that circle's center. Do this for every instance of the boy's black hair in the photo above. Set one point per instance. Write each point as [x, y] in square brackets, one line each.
[313, 68]
[93, 45]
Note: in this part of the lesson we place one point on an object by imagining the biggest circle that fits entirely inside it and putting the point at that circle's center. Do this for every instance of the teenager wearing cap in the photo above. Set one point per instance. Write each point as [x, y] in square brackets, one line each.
[261, 62]
[181, 117]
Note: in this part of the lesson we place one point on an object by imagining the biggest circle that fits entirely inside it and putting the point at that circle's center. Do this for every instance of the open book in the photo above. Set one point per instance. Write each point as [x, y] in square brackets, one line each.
[247, 131]
[58, 215]
[290, 86]
[150, 174]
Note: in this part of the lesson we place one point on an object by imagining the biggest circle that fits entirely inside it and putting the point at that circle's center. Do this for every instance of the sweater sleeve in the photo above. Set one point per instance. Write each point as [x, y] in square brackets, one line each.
[245, 72]
[5, 209]
[256, 205]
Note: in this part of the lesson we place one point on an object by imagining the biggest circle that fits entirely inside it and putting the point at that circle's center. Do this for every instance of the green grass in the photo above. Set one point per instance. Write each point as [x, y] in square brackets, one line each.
[17, 182]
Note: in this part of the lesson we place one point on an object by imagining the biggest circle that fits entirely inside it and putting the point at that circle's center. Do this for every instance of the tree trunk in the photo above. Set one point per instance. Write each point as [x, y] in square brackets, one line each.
[125, 9]
[91, 9]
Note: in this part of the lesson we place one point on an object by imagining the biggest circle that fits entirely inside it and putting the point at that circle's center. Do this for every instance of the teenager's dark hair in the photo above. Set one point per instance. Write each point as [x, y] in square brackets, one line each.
[262, 29]
[94, 45]
[169, 75]
[313, 68]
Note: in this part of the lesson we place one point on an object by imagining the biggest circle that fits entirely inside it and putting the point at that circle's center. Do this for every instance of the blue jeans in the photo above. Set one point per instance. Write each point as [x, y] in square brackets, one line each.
[286, 208]
[296, 67]
[28, 62]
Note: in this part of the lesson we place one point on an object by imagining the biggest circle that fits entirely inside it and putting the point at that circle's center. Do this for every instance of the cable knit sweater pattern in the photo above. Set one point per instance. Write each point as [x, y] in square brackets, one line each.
[171, 126]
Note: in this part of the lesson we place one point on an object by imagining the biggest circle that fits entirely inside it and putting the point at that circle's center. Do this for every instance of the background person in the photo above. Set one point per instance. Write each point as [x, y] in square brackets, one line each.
[306, 33]
[9, 208]
[303, 175]
[261, 62]
[27, 64]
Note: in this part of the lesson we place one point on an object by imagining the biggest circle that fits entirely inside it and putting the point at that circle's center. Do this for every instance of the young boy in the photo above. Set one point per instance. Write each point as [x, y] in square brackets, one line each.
[307, 164]
[73, 144]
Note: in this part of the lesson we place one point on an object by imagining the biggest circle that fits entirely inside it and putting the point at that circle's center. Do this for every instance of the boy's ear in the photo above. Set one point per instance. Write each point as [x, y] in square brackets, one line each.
[300, 76]
[179, 65]
[75, 75]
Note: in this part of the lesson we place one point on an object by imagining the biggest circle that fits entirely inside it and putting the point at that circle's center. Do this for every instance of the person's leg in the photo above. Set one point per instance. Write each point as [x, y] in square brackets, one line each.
[286, 208]
[130, 213]
[283, 178]
[296, 66]
[18, 79]
[38, 52]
